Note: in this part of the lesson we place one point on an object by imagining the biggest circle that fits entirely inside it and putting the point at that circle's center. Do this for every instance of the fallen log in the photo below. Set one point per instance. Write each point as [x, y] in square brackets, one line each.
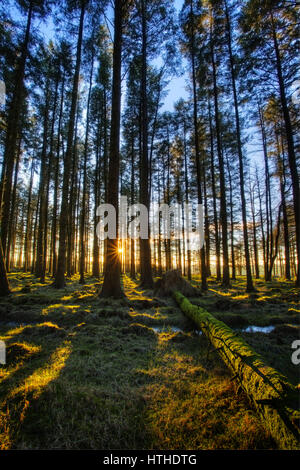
[276, 400]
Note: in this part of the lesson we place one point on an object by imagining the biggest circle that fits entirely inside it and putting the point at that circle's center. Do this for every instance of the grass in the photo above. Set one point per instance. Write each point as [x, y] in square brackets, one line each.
[84, 373]
[275, 303]
[263, 384]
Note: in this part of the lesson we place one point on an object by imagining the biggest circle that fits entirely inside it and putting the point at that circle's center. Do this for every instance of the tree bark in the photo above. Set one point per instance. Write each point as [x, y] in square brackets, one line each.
[112, 282]
[145, 249]
[59, 282]
[82, 242]
[196, 142]
[276, 400]
[250, 287]
[4, 286]
[291, 148]
[223, 203]
[214, 196]
[12, 132]
[40, 261]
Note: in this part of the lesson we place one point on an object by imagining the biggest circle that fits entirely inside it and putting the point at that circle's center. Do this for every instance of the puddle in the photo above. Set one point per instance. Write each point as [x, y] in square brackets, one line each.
[174, 329]
[247, 329]
[166, 329]
[258, 329]
[197, 332]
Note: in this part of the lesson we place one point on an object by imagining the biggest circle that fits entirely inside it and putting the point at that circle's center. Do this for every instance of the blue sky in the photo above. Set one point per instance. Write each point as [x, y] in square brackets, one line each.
[177, 85]
[176, 90]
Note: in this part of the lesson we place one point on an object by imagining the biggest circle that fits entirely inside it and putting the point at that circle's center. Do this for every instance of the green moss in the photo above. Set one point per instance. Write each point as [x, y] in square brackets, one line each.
[90, 374]
[276, 400]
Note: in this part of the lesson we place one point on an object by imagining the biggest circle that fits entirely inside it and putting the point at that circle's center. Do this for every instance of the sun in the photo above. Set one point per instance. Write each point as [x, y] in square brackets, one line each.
[120, 251]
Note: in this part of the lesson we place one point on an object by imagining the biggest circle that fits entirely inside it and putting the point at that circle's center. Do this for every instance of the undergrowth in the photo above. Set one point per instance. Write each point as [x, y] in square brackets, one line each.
[85, 373]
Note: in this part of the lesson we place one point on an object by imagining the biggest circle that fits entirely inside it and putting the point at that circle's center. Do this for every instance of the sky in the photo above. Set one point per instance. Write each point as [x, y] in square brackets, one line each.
[177, 85]
[176, 90]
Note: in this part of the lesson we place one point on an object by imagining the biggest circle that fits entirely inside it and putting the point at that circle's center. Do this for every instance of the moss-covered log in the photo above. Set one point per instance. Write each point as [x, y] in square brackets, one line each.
[276, 400]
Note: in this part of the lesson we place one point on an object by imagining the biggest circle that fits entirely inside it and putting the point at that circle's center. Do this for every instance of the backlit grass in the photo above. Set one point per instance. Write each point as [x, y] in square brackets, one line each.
[85, 373]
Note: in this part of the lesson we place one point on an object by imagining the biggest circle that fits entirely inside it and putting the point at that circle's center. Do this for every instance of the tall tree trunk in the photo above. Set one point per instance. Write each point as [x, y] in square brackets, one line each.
[112, 282]
[56, 180]
[214, 196]
[233, 276]
[13, 122]
[159, 251]
[290, 146]
[35, 235]
[11, 232]
[9, 152]
[73, 219]
[186, 189]
[274, 253]
[49, 176]
[27, 240]
[4, 286]
[59, 282]
[282, 176]
[196, 141]
[167, 201]
[261, 223]
[145, 254]
[206, 226]
[269, 218]
[250, 286]
[179, 202]
[96, 251]
[84, 186]
[254, 229]
[40, 266]
[132, 241]
[223, 203]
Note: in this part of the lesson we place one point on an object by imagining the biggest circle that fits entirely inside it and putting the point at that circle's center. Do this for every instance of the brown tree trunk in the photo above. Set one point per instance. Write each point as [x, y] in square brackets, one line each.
[96, 251]
[223, 203]
[250, 286]
[186, 189]
[233, 276]
[112, 282]
[49, 176]
[27, 240]
[145, 254]
[206, 226]
[132, 241]
[282, 176]
[59, 282]
[214, 196]
[11, 231]
[56, 181]
[261, 223]
[291, 149]
[255, 247]
[40, 265]
[82, 242]
[12, 132]
[196, 141]
[4, 286]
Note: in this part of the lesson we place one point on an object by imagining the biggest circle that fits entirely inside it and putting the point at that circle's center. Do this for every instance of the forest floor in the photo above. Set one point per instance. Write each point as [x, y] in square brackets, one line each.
[85, 373]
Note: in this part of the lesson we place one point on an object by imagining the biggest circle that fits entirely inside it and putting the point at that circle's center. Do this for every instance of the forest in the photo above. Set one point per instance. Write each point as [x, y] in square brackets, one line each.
[174, 324]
